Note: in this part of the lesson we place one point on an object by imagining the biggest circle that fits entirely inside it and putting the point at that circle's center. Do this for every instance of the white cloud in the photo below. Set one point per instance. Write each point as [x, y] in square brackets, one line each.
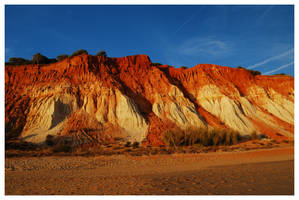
[286, 53]
[9, 52]
[265, 13]
[279, 68]
[207, 46]
[188, 20]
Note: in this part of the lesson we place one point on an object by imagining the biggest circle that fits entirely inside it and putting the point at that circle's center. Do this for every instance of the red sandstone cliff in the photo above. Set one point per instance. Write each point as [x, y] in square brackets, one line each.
[92, 97]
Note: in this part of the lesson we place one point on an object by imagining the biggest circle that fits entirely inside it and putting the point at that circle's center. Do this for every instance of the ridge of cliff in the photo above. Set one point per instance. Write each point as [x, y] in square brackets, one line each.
[93, 98]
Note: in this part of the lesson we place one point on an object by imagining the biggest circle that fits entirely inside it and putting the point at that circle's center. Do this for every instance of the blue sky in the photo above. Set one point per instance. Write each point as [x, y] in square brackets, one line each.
[255, 37]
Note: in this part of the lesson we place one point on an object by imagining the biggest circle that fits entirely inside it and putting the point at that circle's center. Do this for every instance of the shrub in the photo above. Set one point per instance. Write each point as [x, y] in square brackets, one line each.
[156, 64]
[254, 136]
[11, 130]
[281, 74]
[79, 52]
[173, 137]
[18, 61]
[36, 59]
[128, 144]
[218, 137]
[228, 137]
[206, 138]
[200, 136]
[17, 144]
[52, 60]
[62, 148]
[235, 137]
[193, 135]
[102, 53]
[253, 72]
[50, 140]
[62, 57]
[262, 136]
[135, 145]
[184, 67]
[39, 59]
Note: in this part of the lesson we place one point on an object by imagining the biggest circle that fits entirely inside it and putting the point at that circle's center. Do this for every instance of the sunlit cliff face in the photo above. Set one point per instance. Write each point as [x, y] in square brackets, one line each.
[130, 98]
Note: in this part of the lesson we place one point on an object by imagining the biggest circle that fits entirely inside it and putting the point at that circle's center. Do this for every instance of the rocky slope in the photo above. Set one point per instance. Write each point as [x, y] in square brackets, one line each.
[95, 98]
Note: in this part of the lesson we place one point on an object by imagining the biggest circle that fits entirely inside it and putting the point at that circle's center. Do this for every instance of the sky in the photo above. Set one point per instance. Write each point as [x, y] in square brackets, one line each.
[257, 37]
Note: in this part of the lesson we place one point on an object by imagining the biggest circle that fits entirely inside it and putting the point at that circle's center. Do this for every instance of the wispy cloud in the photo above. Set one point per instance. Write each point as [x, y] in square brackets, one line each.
[207, 46]
[260, 19]
[8, 52]
[286, 53]
[59, 35]
[187, 21]
[279, 68]
[265, 13]
[69, 12]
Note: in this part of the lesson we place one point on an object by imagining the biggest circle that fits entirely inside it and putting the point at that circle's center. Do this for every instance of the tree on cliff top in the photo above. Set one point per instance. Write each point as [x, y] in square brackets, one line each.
[253, 72]
[62, 57]
[102, 53]
[156, 64]
[18, 61]
[40, 59]
[79, 52]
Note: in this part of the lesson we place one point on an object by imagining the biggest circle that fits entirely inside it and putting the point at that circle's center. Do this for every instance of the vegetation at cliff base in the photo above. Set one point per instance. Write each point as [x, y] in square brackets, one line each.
[200, 136]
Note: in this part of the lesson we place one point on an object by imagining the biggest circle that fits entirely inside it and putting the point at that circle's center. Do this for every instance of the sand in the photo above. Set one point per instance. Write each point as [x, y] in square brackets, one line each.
[262, 172]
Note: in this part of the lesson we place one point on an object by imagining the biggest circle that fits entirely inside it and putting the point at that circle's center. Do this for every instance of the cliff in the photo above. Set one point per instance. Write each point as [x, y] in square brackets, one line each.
[94, 98]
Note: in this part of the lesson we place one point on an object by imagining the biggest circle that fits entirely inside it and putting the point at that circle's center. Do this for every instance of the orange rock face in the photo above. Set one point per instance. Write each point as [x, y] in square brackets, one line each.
[94, 97]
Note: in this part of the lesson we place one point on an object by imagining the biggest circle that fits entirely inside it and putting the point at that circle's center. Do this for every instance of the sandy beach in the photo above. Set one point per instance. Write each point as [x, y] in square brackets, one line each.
[255, 172]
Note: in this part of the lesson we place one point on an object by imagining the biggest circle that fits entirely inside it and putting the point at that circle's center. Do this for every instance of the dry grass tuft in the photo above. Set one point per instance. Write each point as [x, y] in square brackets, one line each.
[200, 137]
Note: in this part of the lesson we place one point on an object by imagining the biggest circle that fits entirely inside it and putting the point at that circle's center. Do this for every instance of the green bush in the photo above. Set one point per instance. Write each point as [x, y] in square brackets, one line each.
[254, 136]
[51, 60]
[39, 59]
[135, 145]
[281, 74]
[128, 144]
[79, 52]
[235, 137]
[193, 135]
[62, 148]
[50, 140]
[18, 61]
[62, 57]
[156, 64]
[173, 137]
[36, 59]
[253, 72]
[102, 53]
[218, 137]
